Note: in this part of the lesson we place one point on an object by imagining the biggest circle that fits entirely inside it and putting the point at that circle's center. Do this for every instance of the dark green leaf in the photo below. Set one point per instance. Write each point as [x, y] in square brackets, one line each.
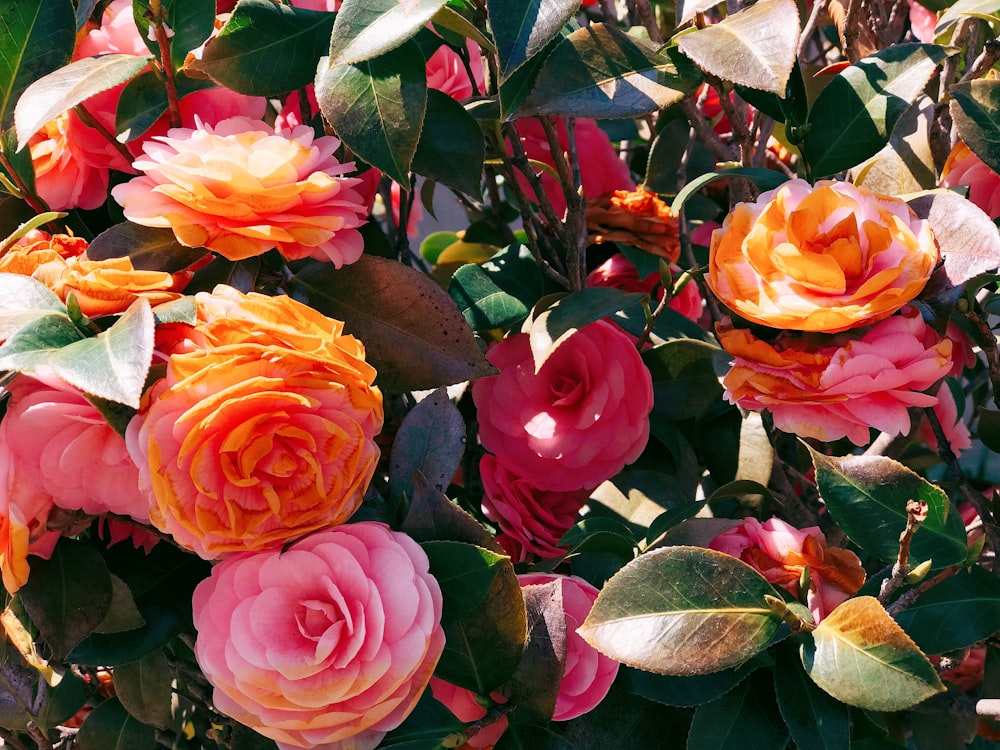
[110, 726]
[866, 495]
[815, 719]
[746, 717]
[519, 84]
[63, 701]
[755, 47]
[600, 534]
[854, 115]
[599, 71]
[68, 595]
[682, 611]
[534, 686]
[499, 292]
[624, 720]
[36, 38]
[267, 48]
[368, 28]
[764, 179]
[670, 325]
[956, 613]
[23, 692]
[63, 89]
[989, 428]
[465, 572]
[689, 691]
[431, 439]
[143, 687]
[860, 656]
[122, 614]
[522, 29]
[451, 149]
[414, 335]
[190, 21]
[424, 728]
[377, 107]
[144, 100]
[684, 379]
[149, 248]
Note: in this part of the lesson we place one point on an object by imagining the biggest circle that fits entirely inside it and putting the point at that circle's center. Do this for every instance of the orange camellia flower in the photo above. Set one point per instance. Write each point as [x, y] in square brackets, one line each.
[827, 258]
[101, 287]
[262, 429]
[637, 218]
[241, 188]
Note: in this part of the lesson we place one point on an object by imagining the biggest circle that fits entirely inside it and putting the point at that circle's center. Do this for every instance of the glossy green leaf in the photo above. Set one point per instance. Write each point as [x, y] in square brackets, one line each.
[63, 89]
[746, 717]
[144, 689]
[143, 101]
[854, 115]
[571, 313]
[764, 179]
[600, 534]
[519, 84]
[814, 718]
[684, 380]
[974, 108]
[110, 726]
[68, 595]
[969, 242]
[624, 720]
[866, 495]
[38, 342]
[431, 438]
[682, 611]
[956, 613]
[191, 22]
[688, 691]
[266, 48]
[532, 737]
[424, 728]
[905, 164]
[465, 573]
[860, 656]
[377, 107]
[368, 28]
[499, 292]
[600, 71]
[149, 248]
[450, 19]
[414, 335]
[755, 47]
[451, 148]
[23, 300]
[36, 38]
[989, 428]
[522, 29]
[963, 8]
[534, 686]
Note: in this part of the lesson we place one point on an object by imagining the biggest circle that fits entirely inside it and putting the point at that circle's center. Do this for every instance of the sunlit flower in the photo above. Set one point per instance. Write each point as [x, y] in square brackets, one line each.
[637, 218]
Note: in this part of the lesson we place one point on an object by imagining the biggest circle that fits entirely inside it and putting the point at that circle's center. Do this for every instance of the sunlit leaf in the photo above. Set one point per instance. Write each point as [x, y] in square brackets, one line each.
[682, 611]
[962, 8]
[23, 300]
[969, 242]
[974, 109]
[499, 292]
[905, 164]
[522, 29]
[368, 28]
[860, 656]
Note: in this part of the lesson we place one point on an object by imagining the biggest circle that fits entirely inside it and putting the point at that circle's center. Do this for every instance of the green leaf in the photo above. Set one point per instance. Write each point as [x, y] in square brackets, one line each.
[180, 310]
[424, 728]
[143, 687]
[755, 47]
[967, 236]
[143, 101]
[63, 89]
[688, 691]
[745, 717]
[961, 9]
[414, 335]
[450, 19]
[600, 534]
[110, 726]
[600, 71]
[451, 148]
[122, 614]
[624, 720]
[989, 428]
[368, 28]
[499, 292]
[432, 516]
[519, 84]
[149, 248]
[684, 381]
[38, 342]
[682, 611]
[853, 116]
[956, 613]
[36, 37]
[860, 656]
[68, 595]
[534, 686]
[815, 719]
[377, 107]
[571, 313]
[866, 495]
[522, 29]
[764, 179]
[23, 300]
[431, 438]
[905, 164]
[266, 48]
[191, 21]
[974, 109]
[465, 573]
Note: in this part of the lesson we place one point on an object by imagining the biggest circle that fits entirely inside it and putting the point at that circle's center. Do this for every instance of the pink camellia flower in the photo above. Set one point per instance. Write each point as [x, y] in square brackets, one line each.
[829, 387]
[588, 674]
[922, 22]
[781, 552]
[240, 189]
[954, 429]
[328, 644]
[463, 704]
[965, 168]
[620, 273]
[446, 72]
[576, 422]
[531, 521]
[601, 171]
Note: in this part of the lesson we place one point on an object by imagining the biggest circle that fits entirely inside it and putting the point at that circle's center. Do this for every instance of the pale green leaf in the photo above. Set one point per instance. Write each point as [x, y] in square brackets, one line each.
[368, 28]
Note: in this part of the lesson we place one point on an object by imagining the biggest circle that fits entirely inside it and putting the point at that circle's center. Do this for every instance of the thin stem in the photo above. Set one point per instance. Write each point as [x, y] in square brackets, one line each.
[987, 58]
[648, 18]
[157, 21]
[704, 131]
[30, 197]
[988, 344]
[852, 31]
[92, 122]
[812, 23]
[916, 514]
[906, 599]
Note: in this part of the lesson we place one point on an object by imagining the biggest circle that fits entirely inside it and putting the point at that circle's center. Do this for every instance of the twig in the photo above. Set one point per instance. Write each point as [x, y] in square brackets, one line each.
[812, 23]
[987, 58]
[493, 714]
[706, 135]
[988, 344]
[92, 122]
[30, 197]
[648, 19]
[916, 514]
[906, 599]
[852, 31]
[157, 21]
[41, 738]
[576, 214]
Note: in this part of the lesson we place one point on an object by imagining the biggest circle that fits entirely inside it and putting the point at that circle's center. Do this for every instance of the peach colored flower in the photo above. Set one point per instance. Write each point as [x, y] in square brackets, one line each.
[463, 704]
[827, 258]
[620, 273]
[327, 644]
[263, 434]
[965, 168]
[588, 674]
[576, 422]
[601, 171]
[781, 552]
[240, 188]
[827, 387]
[531, 521]
[637, 218]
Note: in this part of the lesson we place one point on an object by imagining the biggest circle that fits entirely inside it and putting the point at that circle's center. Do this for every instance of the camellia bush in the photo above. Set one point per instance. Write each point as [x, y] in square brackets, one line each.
[685, 434]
